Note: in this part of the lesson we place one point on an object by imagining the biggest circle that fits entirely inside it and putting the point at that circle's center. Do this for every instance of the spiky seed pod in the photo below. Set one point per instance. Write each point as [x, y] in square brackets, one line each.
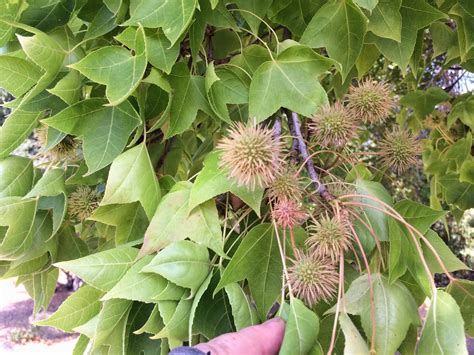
[399, 150]
[82, 202]
[288, 213]
[329, 237]
[370, 102]
[333, 126]
[251, 155]
[65, 149]
[435, 120]
[286, 185]
[312, 278]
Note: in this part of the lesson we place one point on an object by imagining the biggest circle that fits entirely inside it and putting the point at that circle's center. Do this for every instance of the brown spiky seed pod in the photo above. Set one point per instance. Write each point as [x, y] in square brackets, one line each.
[288, 213]
[82, 202]
[312, 278]
[286, 186]
[399, 150]
[329, 237]
[333, 126]
[65, 149]
[370, 102]
[251, 155]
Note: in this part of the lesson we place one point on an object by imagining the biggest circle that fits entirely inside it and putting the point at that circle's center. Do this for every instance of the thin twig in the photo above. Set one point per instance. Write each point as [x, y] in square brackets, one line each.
[319, 186]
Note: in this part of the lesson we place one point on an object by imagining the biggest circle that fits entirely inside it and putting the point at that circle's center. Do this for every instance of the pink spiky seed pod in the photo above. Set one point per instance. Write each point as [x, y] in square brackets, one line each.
[399, 150]
[370, 102]
[288, 213]
[329, 237]
[312, 278]
[251, 155]
[82, 202]
[333, 126]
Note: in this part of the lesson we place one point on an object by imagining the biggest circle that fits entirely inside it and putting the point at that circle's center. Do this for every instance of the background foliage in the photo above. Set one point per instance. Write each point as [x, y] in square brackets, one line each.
[128, 99]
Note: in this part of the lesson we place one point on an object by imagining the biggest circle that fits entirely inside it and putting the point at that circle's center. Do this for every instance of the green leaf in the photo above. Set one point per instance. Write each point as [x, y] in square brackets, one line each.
[50, 184]
[463, 292]
[460, 194]
[102, 270]
[355, 344]
[294, 14]
[129, 219]
[464, 110]
[450, 260]
[395, 310]
[103, 22]
[373, 217]
[257, 8]
[290, 81]
[301, 329]
[26, 268]
[188, 97]
[367, 4]
[68, 88]
[213, 315]
[154, 323]
[416, 14]
[160, 52]
[16, 176]
[467, 172]
[173, 17]
[184, 263]
[10, 10]
[424, 102]
[264, 277]
[41, 248]
[197, 298]
[173, 222]
[18, 75]
[116, 68]
[48, 14]
[386, 21]
[251, 58]
[443, 331]
[81, 345]
[70, 246]
[140, 343]
[16, 128]
[77, 309]
[467, 6]
[113, 5]
[47, 54]
[40, 287]
[243, 311]
[419, 216]
[18, 215]
[212, 181]
[112, 319]
[132, 178]
[105, 129]
[339, 26]
[176, 325]
[144, 287]
[464, 26]
[222, 92]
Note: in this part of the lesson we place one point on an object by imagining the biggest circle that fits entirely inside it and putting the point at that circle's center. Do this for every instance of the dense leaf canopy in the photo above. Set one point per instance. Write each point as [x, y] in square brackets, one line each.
[134, 189]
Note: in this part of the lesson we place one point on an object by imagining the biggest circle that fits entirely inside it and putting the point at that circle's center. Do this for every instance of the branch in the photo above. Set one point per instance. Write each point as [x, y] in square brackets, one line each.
[294, 144]
[319, 186]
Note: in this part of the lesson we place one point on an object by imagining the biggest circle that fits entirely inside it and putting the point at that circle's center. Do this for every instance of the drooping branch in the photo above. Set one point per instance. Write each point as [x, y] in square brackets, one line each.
[303, 149]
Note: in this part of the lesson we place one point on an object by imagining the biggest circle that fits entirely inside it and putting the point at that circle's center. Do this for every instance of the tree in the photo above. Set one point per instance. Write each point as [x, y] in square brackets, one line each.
[208, 163]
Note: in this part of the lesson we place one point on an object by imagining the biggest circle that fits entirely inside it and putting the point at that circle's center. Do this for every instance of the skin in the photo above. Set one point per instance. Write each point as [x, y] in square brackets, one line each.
[263, 339]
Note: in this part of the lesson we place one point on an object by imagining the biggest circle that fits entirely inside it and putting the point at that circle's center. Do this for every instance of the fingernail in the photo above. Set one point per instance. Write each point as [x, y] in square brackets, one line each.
[274, 320]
